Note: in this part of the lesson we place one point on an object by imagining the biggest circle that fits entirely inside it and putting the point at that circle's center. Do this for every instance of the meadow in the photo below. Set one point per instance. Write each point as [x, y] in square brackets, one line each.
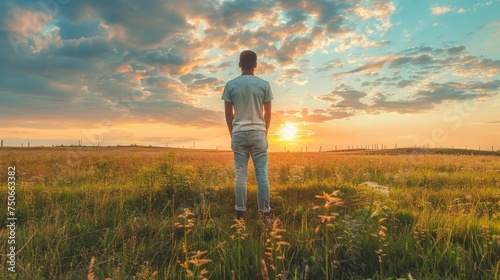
[157, 213]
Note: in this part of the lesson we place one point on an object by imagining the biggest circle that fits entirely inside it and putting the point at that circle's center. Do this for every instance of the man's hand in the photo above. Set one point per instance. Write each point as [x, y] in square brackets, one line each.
[228, 108]
[267, 115]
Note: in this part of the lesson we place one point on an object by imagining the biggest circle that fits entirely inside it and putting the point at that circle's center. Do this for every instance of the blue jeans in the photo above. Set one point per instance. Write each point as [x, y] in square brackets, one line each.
[245, 144]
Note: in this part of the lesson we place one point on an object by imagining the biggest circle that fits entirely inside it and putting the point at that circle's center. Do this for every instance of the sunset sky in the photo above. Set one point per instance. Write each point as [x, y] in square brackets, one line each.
[343, 73]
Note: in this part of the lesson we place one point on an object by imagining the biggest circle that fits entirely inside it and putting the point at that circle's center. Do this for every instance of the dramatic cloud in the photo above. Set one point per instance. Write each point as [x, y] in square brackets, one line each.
[115, 33]
[418, 72]
[427, 99]
[85, 63]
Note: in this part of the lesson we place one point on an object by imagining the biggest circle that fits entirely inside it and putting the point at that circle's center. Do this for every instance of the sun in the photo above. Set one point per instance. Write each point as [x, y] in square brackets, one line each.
[288, 132]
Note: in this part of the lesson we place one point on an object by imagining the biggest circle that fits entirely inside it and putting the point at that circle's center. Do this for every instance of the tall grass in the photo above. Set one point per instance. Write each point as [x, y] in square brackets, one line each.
[146, 213]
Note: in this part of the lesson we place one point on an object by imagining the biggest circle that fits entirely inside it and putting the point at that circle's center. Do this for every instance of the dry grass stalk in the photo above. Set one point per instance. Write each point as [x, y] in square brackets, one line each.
[90, 273]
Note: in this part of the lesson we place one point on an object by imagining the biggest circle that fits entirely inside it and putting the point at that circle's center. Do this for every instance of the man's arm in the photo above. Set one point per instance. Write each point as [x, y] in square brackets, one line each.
[267, 114]
[228, 108]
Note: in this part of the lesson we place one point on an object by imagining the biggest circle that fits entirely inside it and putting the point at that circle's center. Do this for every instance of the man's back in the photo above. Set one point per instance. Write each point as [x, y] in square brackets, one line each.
[248, 93]
[247, 106]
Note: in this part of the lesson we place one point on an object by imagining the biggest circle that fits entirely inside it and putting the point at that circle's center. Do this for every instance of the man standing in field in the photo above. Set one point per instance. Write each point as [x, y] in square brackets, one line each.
[247, 103]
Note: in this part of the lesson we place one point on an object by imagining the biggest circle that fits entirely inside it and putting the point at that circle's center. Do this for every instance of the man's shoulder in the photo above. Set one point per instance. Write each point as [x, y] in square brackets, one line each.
[244, 78]
[261, 80]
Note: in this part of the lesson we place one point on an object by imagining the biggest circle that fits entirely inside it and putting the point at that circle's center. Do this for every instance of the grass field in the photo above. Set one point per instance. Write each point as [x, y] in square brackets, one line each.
[156, 213]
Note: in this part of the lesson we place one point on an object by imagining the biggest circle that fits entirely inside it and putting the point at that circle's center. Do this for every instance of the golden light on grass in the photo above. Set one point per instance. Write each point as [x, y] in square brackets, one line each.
[445, 207]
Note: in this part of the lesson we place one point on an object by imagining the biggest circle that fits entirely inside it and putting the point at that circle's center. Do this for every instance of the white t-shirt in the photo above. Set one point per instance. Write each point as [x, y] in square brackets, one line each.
[248, 93]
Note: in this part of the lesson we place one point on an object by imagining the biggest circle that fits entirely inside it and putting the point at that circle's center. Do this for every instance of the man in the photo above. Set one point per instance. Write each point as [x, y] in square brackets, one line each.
[247, 103]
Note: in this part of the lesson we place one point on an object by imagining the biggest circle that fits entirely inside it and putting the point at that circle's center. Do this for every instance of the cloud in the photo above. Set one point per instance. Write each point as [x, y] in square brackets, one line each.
[161, 19]
[175, 113]
[173, 37]
[378, 10]
[336, 63]
[368, 67]
[25, 22]
[432, 95]
[70, 30]
[104, 58]
[351, 40]
[51, 104]
[288, 31]
[170, 57]
[189, 78]
[345, 99]
[265, 68]
[456, 50]
[454, 60]
[295, 16]
[293, 75]
[307, 116]
[164, 88]
[482, 4]
[158, 60]
[85, 47]
[199, 84]
[469, 66]
[204, 86]
[291, 48]
[221, 67]
[421, 96]
[441, 10]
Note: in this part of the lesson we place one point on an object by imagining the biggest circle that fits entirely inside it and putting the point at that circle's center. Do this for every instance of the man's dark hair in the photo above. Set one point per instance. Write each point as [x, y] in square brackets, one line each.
[248, 59]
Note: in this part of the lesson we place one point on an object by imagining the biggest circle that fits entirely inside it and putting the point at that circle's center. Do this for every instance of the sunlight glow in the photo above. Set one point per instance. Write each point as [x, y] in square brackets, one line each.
[288, 132]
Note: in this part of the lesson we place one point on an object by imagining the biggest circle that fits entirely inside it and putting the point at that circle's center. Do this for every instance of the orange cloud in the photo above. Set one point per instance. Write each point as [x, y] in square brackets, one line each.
[27, 22]
[124, 68]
